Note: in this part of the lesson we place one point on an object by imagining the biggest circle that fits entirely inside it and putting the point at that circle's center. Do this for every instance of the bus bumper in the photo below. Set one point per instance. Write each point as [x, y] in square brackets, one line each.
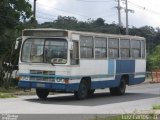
[50, 86]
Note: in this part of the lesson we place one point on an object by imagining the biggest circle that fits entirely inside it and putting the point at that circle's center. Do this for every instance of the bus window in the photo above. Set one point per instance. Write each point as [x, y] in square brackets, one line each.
[86, 47]
[33, 50]
[100, 48]
[113, 48]
[124, 49]
[135, 48]
[143, 48]
[56, 50]
[74, 54]
[45, 50]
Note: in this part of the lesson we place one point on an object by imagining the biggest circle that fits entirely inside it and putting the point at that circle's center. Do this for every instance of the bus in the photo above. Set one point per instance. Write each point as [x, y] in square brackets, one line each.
[59, 60]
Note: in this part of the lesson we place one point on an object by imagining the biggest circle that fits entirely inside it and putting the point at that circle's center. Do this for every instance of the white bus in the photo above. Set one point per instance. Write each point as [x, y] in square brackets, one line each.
[80, 62]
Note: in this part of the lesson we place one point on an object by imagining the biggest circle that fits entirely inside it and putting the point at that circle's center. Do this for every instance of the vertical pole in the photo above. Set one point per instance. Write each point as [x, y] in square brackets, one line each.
[119, 13]
[126, 2]
[34, 10]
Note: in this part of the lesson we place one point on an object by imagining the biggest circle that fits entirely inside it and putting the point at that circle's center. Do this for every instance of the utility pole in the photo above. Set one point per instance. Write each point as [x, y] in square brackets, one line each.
[127, 10]
[119, 13]
[34, 9]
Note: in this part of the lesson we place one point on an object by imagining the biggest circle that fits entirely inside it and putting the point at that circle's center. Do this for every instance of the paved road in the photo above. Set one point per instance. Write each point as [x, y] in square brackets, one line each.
[139, 97]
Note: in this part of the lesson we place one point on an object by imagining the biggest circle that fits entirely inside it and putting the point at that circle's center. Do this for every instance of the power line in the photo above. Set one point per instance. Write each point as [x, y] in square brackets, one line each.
[46, 14]
[94, 1]
[46, 18]
[74, 13]
[66, 11]
[144, 8]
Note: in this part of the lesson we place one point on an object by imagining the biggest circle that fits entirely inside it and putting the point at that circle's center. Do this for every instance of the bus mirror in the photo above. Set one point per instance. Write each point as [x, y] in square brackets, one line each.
[52, 62]
[17, 43]
[70, 45]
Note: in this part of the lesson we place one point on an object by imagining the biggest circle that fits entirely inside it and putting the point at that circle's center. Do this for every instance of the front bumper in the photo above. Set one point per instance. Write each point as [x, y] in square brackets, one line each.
[51, 86]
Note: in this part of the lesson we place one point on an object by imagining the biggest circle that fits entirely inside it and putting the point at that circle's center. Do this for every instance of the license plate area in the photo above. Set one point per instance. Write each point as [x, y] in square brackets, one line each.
[40, 85]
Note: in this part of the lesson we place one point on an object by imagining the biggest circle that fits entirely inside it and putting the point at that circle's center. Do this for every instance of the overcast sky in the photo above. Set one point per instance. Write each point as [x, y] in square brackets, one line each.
[146, 12]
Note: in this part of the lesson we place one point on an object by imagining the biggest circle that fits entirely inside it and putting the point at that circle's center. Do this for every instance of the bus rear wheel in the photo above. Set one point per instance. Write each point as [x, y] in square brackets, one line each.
[82, 92]
[120, 90]
[42, 93]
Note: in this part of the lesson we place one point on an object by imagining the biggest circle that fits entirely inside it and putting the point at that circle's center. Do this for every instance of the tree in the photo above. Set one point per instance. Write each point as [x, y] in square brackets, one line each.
[100, 22]
[11, 13]
[154, 59]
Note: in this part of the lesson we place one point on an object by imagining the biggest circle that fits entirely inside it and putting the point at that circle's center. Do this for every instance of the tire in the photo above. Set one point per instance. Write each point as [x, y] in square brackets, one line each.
[42, 93]
[82, 92]
[91, 92]
[120, 90]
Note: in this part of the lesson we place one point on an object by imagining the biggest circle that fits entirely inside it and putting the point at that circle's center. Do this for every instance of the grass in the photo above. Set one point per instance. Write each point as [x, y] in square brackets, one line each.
[13, 92]
[7, 95]
[156, 107]
[10, 90]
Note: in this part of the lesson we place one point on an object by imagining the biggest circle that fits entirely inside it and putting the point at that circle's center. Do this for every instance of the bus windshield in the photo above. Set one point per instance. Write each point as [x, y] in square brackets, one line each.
[37, 50]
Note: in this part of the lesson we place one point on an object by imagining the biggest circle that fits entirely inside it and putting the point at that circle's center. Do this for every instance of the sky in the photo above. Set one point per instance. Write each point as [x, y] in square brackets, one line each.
[146, 12]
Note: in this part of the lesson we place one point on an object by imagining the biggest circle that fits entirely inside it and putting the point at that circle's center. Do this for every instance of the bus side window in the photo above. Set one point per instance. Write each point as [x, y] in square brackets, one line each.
[100, 47]
[143, 48]
[74, 54]
[113, 48]
[86, 47]
[124, 48]
[135, 49]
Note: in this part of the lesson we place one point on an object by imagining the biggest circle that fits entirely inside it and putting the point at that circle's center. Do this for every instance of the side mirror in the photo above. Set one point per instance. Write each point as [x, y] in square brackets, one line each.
[17, 43]
[52, 62]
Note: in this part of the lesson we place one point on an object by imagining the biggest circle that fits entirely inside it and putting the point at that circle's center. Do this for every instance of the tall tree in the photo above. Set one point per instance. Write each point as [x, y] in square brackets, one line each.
[12, 11]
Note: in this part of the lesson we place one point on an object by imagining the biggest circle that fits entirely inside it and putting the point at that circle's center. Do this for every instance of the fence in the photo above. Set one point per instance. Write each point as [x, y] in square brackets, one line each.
[155, 76]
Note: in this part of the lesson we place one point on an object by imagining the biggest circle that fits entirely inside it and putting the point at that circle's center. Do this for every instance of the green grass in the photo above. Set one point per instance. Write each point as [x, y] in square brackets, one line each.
[156, 107]
[6, 95]
[13, 92]
[10, 90]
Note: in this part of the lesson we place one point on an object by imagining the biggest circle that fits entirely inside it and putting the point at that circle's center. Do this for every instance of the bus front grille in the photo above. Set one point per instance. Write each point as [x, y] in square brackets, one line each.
[38, 75]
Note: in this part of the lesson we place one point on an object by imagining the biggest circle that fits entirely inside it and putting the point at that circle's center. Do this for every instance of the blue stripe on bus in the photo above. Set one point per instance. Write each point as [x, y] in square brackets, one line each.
[74, 86]
[50, 86]
[117, 76]
[125, 66]
[111, 67]
[62, 76]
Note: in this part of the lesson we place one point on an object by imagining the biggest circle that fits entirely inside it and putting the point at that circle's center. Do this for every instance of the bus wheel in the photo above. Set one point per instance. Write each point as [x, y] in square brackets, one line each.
[82, 92]
[91, 92]
[120, 90]
[42, 93]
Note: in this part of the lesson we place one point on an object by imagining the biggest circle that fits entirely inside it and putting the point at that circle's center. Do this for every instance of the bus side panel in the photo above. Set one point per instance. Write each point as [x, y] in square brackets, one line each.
[110, 80]
[140, 71]
[125, 66]
[104, 84]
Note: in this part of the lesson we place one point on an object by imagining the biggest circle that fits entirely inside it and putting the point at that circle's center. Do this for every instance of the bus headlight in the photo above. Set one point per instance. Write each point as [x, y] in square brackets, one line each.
[62, 80]
[24, 78]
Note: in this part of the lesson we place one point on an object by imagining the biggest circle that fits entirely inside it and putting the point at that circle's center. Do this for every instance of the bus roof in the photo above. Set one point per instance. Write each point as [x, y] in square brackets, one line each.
[80, 32]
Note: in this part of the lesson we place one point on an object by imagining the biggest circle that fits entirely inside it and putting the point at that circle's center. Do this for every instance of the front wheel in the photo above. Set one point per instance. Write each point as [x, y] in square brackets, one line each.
[91, 92]
[42, 93]
[120, 90]
[82, 92]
